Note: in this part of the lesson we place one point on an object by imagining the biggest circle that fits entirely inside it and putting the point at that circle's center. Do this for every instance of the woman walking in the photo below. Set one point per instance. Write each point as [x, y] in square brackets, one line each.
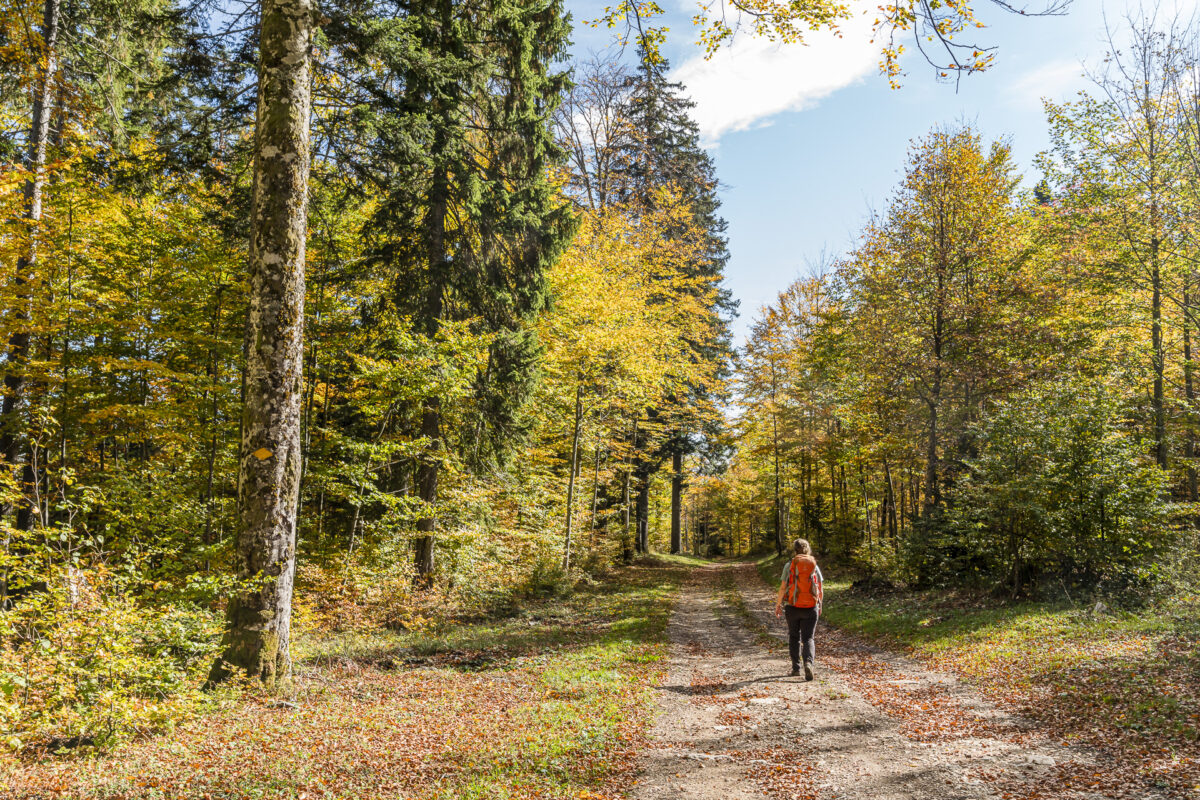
[802, 587]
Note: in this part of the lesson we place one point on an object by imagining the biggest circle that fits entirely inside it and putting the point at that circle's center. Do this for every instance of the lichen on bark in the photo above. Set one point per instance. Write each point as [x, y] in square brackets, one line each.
[259, 615]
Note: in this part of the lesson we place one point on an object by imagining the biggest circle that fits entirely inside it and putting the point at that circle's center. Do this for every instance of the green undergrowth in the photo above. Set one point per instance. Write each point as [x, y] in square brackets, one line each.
[770, 567]
[1088, 672]
[684, 559]
[548, 702]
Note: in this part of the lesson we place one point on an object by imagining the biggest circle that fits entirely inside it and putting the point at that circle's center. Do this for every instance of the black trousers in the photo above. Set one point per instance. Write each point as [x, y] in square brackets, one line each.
[802, 624]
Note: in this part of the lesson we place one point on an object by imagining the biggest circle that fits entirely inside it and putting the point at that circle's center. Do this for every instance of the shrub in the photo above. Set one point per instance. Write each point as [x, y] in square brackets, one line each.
[1062, 493]
[81, 663]
[879, 561]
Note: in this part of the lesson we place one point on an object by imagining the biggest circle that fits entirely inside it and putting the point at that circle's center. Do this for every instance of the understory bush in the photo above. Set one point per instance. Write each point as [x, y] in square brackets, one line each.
[375, 586]
[879, 560]
[83, 663]
[1061, 496]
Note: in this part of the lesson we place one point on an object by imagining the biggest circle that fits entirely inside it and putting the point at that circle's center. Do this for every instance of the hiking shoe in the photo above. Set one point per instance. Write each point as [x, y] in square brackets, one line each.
[795, 672]
[808, 673]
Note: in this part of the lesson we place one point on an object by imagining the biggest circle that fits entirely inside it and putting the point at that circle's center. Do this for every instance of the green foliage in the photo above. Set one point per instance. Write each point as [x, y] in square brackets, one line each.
[1061, 491]
[880, 559]
[900, 412]
[549, 701]
[82, 663]
[436, 223]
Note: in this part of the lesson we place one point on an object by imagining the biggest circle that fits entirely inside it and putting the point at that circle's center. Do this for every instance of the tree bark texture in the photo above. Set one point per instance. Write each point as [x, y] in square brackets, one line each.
[259, 616]
[427, 489]
[642, 511]
[431, 421]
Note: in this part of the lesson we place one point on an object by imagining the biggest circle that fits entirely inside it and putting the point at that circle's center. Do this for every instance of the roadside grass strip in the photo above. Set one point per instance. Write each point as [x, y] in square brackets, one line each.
[554, 702]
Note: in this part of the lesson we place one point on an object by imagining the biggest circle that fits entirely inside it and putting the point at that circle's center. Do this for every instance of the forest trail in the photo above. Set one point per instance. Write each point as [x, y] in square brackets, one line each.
[733, 726]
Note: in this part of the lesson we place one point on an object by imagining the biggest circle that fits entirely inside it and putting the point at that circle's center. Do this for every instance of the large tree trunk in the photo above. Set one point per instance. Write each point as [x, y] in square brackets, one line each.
[676, 499]
[431, 420]
[259, 616]
[12, 424]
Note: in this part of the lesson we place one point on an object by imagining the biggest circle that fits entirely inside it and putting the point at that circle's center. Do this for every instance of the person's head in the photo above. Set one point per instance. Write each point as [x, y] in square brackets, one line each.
[802, 547]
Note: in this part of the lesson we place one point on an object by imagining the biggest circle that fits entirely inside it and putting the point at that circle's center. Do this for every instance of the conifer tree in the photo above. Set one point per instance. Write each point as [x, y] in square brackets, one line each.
[459, 134]
[664, 150]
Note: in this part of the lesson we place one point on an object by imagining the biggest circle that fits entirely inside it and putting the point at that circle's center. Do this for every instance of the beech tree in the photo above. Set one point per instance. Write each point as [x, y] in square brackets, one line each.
[968, 397]
[259, 616]
[943, 33]
[932, 287]
[1121, 152]
[626, 313]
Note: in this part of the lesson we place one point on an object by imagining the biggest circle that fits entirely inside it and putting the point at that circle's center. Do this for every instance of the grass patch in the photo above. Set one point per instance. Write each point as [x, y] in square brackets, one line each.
[549, 702]
[770, 567]
[976, 633]
[683, 559]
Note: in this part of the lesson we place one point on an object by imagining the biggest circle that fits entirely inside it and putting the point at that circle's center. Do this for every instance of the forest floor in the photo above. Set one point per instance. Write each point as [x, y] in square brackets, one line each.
[669, 680]
[874, 724]
[553, 701]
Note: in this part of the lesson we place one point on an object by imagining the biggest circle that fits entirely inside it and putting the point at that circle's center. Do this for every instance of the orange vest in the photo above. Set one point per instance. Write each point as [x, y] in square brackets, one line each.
[799, 583]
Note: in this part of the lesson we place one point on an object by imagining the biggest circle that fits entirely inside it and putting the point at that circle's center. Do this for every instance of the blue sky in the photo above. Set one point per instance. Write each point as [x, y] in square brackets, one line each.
[808, 140]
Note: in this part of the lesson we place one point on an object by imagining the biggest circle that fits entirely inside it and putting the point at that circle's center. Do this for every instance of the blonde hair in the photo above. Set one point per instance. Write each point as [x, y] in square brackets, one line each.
[802, 547]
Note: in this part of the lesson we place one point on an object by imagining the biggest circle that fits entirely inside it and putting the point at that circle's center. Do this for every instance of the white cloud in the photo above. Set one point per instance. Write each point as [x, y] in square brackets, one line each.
[1056, 80]
[750, 81]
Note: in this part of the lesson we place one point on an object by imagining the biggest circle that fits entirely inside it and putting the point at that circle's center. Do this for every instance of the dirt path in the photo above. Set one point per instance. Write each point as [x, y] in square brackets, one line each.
[733, 725]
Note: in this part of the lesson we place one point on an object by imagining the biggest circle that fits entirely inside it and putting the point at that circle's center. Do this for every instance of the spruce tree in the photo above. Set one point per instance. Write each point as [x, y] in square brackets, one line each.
[456, 125]
[665, 151]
